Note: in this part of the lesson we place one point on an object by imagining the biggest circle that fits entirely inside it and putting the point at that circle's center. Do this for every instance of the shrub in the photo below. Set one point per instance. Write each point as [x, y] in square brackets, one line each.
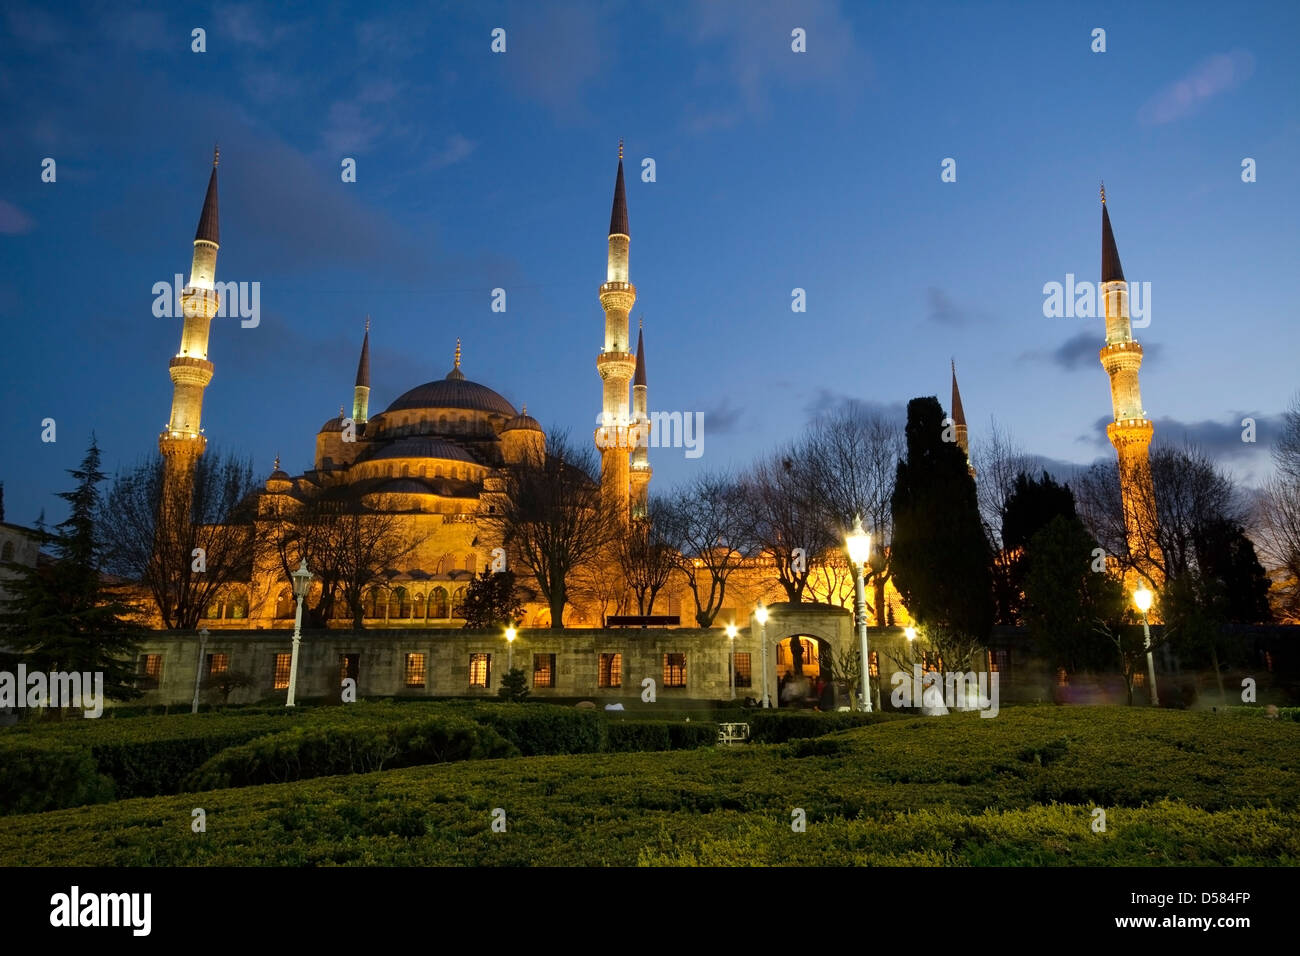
[39, 775]
[779, 726]
[538, 729]
[304, 752]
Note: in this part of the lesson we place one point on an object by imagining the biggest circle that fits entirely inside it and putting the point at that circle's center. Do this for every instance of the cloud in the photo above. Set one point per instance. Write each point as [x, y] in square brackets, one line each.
[1218, 439]
[748, 54]
[1210, 77]
[827, 401]
[722, 418]
[1080, 351]
[456, 149]
[13, 221]
[942, 308]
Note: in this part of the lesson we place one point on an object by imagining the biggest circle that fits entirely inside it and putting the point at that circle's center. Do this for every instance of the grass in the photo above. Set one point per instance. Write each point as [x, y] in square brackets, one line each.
[1177, 788]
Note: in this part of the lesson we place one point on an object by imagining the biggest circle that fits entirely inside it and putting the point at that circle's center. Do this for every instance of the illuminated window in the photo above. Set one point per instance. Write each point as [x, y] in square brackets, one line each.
[674, 670]
[782, 655]
[873, 668]
[1139, 679]
[150, 674]
[611, 670]
[543, 670]
[744, 677]
[218, 663]
[281, 672]
[349, 666]
[480, 670]
[931, 661]
[999, 660]
[414, 670]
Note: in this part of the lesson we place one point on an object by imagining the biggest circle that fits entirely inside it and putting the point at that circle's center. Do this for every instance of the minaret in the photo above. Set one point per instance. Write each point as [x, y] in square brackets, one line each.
[959, 419]
[183, 441]
[615, 362]
[640, 471]
[1131, 430]
[361, 393]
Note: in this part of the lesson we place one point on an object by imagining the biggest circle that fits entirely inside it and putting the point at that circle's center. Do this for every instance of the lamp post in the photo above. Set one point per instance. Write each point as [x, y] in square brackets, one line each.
[301, 582]
[1142, 598]
[858, 543]
[731, 668]
[198, 673]
[760, 614]
[510, 648]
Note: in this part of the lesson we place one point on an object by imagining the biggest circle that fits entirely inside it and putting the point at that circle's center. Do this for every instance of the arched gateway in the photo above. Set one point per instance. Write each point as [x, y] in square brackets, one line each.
[821, 631]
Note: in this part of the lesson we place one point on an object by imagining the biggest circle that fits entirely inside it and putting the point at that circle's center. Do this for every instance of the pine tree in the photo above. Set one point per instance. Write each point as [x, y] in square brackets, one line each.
[942, 560]
[62, 616]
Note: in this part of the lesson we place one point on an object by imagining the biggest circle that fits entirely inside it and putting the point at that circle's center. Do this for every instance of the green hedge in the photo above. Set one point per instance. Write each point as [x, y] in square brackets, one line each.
[39, 775]
[304, 752]
[780, 726]
[538, 729]
[625, 736]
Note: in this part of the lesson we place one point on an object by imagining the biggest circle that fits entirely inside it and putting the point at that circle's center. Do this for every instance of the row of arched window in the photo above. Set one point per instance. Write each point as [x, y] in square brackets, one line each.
[458, 472]
[396, 604]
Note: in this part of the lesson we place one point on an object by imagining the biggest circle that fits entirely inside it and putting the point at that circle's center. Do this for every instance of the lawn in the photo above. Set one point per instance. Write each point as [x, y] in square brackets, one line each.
[1020, 789]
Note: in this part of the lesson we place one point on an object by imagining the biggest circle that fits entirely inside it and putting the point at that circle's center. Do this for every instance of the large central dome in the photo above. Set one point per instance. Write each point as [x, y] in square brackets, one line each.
[454, 391]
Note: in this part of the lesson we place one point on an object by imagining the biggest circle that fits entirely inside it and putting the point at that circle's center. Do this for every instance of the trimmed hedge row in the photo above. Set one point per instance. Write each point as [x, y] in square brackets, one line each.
[627, 736]
[36, 776]
[304, 752]
[538, 729]
[780, 726]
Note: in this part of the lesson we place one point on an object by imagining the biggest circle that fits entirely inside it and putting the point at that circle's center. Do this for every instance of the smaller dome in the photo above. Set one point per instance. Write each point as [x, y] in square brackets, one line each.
[524, 422]
[423, 448]
[333, 425]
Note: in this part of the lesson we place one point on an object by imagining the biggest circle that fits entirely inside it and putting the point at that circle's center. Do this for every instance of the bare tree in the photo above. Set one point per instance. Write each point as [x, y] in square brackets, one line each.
[709, 526]
[786, 511]
[365, 546]
[853, 455]
[646, 555]
[183, 541]
[551, 518]
[998, 461]
[1277, 514]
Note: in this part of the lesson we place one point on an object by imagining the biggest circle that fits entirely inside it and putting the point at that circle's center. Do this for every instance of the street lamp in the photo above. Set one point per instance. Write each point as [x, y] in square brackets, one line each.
[760, 614]
[910, 632]
[198, 674]
[1142, 598]
[301, 582]
[731, 670]
[510, 647]
[859, 545]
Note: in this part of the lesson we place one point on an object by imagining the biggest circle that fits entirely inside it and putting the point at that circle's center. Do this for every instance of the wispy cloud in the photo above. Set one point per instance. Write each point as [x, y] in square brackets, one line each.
[13, 221]
[944, 309]
[1080, 351]
[1212, 76]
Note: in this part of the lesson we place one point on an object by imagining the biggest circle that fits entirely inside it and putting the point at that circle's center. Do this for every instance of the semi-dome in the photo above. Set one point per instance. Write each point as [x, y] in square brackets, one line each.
[523, 421]
[458, 393]
[422, 448]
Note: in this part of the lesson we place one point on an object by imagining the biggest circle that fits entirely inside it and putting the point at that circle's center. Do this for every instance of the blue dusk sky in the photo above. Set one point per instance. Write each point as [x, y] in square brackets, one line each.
[774, 170]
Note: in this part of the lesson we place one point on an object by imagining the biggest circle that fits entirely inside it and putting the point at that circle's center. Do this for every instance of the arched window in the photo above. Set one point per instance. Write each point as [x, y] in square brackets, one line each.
[7, 552]
[442, 423]
[214, 609]
[458, 603]
[438, 603]
[403, 608]
[437, 471]
[464, 424]
[469, 562]
[373, 607]
[406, 471]
[237, 606]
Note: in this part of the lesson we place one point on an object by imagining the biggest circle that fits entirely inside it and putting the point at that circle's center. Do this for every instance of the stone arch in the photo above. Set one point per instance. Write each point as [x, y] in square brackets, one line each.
[438, 604]
[284, 604]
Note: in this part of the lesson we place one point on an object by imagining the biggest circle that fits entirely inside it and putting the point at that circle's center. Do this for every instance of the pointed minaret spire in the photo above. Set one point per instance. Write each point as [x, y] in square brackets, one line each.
[1111, 270]
[959, 419]
[361, 392]
[639, 378]
[618, 215]
[209, 227]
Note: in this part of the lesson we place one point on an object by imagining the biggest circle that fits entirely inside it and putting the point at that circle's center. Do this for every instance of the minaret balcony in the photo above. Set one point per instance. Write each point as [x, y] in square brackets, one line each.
[185, 370]
[616, 365]
[200, 303]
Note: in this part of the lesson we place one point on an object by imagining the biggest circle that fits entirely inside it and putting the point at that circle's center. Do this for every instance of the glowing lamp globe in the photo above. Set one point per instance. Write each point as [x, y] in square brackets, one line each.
[1142, 598]
[510, 633]
[301, 580]
[859, 544]
[910, 632]
[760, 613]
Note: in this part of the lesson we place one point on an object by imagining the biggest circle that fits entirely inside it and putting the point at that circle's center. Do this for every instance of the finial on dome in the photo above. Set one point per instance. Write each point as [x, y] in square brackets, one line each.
[1103, 193]
[216, 154]
[457, 363]
[342, 412]
[277, 462]
[525, 411]
[620, 150]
